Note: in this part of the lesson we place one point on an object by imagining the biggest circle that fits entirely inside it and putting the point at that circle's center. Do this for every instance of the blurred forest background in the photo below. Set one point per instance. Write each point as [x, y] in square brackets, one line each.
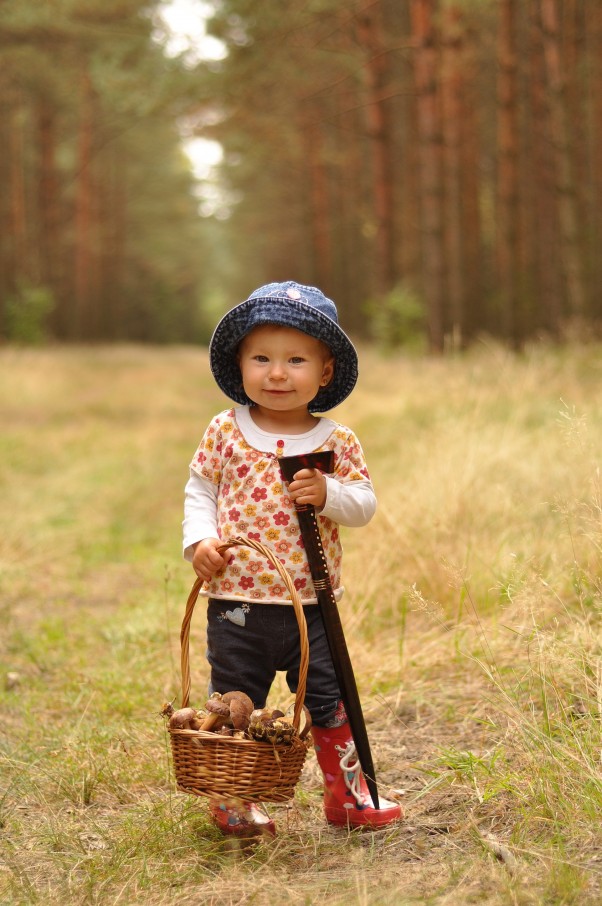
[434, 165]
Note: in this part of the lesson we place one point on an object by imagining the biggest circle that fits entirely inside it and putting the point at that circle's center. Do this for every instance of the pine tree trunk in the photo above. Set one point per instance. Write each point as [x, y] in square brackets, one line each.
[370, 36]
[113, 213]
[592, 34]
[542, 213]
[319, 201]
[452, 89]
[80, 328]
[507, 215]
[596, 94]
[20, 262]
[7, 274]
[565, 185]
[48, 218]
[426, 74]
[351, 264]
[573, 58]
[470, 149]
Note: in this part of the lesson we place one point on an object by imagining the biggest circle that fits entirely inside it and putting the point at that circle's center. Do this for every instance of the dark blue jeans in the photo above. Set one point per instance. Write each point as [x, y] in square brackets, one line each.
[248, 643]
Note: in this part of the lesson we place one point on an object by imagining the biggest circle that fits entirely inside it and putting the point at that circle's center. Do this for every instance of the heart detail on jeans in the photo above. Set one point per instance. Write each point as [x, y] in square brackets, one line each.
[236, 616]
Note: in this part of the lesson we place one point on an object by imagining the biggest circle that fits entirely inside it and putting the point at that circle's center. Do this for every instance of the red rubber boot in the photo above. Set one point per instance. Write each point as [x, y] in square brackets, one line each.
[346, 797]
[241, 819]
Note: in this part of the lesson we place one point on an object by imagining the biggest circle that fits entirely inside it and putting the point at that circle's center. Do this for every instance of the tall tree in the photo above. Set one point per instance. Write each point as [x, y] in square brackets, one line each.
[593, 33]
[369, 27]
[508, 212]
[540, 208]
[452, 90]
[426, 69]
[474, 276]
[565, 183]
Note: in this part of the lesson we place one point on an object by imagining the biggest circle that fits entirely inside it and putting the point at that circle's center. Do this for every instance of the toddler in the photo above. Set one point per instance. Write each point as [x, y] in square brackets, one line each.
[281, 356]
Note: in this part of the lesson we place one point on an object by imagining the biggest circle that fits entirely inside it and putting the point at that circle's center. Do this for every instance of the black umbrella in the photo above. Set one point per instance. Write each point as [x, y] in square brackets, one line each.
[310, 533]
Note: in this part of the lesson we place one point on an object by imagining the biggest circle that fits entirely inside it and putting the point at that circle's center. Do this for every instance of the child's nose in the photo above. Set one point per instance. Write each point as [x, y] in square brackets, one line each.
[277, 371]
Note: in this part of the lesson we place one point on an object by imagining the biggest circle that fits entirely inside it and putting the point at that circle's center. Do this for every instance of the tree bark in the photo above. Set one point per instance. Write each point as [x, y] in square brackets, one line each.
[18, 209]
[351, 263]
[48, 217]
[507, 216]
[452, 88]
[594, 33]
[565, 184]
[542, 213]
[471, 145]
[113, 218]
[426, 74]
[319, 200]
[83, 215]
[369, 30]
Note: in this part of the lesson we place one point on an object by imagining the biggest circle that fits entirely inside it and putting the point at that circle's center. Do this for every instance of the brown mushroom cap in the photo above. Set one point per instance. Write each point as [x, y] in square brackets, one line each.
[218, 714]
[180, 720]
[241, 696]
[215, 706]
[241, 708]
[261, 715]
[239, 714]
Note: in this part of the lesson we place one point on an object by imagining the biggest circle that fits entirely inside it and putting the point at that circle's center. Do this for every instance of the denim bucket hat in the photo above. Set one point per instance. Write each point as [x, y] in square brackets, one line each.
[287, 304]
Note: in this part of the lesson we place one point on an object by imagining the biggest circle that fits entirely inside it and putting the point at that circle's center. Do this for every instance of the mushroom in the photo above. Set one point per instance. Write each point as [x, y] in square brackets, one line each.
[232, 708]
[225, 731]
[260, 715]
[181, 719]
[275, 730]
[219, 714]
[241, 708]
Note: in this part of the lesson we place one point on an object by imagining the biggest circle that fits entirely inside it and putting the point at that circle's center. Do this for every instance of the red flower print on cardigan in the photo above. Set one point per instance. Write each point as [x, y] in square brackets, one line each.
[253, 501]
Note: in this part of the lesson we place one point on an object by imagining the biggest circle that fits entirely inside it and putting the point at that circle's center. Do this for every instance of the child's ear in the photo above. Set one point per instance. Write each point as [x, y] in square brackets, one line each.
[327, 372]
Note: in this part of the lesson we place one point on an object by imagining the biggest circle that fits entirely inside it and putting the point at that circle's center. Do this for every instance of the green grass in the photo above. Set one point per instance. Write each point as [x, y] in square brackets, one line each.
[472, 611]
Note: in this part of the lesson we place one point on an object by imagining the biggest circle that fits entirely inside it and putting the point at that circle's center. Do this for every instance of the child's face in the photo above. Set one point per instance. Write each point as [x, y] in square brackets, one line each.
[283, 368]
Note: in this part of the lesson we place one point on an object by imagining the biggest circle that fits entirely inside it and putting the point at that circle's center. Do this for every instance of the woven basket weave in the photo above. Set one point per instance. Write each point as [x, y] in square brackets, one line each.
[207, 764]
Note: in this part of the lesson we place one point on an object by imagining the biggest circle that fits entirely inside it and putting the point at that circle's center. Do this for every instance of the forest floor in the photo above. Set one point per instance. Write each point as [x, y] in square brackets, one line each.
[472, 610]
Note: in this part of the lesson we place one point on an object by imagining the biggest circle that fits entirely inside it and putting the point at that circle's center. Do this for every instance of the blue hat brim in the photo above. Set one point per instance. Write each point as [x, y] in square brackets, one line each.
[239, 321]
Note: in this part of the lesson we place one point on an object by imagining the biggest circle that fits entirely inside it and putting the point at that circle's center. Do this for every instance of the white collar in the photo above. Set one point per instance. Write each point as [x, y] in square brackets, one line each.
[294, 444]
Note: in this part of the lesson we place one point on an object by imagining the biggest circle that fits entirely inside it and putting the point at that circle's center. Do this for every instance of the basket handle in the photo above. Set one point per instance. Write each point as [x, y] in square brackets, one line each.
[269, 554]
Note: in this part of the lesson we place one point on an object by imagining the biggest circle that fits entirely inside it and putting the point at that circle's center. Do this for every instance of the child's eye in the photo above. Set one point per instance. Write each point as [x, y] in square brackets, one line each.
[260, 358]
[297, 360]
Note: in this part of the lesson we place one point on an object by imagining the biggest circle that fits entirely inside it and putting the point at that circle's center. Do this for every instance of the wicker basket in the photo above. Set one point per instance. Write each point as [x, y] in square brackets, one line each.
[207, 764]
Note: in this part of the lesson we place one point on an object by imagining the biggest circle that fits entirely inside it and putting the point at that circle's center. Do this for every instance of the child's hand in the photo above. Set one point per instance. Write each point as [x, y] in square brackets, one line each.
[308, 486]
[207, 560]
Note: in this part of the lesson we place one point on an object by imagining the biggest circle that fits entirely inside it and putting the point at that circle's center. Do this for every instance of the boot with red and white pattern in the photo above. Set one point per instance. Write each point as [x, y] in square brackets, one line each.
[347, 801]
[242, 819]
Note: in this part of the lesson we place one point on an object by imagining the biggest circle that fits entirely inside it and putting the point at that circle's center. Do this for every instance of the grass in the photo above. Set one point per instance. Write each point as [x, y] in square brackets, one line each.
[472, 611]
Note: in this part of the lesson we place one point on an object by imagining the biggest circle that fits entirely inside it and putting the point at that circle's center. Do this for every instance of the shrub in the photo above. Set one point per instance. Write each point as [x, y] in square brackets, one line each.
[398, 318]
[27, 315]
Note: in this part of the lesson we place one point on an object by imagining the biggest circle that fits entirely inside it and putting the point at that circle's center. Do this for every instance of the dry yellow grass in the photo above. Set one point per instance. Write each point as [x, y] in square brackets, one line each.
[472, 611]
